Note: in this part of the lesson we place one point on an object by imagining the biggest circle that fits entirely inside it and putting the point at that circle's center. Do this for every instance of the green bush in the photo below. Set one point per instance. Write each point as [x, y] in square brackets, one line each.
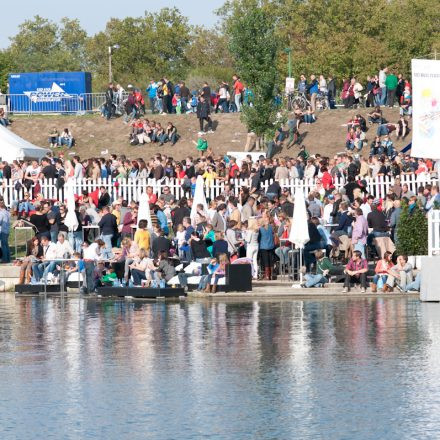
[412, 232]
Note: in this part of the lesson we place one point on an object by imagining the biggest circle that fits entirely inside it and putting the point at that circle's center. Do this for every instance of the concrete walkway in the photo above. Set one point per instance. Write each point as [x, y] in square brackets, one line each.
[280, 289]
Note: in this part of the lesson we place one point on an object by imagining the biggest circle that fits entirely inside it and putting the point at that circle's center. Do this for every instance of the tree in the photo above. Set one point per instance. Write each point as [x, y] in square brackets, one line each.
[412, 232]
[6, 67]
[255, 46]
[151, 46]
[43, 45]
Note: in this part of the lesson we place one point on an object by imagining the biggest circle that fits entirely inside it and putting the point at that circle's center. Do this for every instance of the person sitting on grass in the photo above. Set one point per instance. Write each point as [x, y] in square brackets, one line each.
[169, 135]
[66, 138]
[53, 137]
[375, 117]
[3, 119]
[356, 272]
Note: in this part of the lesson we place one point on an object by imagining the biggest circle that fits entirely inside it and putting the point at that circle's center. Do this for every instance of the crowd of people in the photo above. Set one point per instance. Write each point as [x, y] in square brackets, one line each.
[164, 97]
[251, 222]
[384, 89]
[346, 224]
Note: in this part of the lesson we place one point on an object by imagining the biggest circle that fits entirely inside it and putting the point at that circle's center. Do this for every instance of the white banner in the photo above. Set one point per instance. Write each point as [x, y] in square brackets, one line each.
[426, 108]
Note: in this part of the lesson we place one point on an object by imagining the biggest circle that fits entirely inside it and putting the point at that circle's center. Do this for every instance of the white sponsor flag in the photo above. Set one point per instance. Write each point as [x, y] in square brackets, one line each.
[426, 108]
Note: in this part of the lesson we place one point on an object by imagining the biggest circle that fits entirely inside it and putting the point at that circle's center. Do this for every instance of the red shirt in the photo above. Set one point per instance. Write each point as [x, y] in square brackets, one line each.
[152, 198]
[234, 168]
[238, 87]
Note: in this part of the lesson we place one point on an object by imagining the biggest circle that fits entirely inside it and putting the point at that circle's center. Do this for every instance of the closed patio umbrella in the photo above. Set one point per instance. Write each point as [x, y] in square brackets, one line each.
[299, 231]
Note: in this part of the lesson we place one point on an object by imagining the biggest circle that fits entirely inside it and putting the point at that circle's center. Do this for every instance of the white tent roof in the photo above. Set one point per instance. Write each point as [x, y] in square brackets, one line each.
[14, 147]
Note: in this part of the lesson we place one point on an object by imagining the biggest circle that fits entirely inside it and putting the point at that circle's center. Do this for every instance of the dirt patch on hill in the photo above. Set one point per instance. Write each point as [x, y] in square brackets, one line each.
[94, 134]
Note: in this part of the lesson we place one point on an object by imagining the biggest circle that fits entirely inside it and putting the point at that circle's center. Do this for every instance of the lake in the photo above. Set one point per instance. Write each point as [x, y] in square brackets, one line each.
[316, 369]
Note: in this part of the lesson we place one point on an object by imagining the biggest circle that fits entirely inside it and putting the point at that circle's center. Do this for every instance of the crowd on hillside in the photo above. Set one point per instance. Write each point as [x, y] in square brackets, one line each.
[349, 228]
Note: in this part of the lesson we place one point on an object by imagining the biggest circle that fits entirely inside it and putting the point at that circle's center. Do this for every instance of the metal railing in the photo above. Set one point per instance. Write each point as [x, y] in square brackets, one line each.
[62, 103]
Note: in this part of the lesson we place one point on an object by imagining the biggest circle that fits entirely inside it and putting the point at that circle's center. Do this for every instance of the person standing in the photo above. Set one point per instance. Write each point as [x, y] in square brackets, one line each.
[109, 228]
[152, 95]
[360, 232]
[266, 246]
[5, 224]
[203, 114]
[312, 89]
[391, 82]
[109, 101]
[331, 85]
[238, 90]
[382, 85]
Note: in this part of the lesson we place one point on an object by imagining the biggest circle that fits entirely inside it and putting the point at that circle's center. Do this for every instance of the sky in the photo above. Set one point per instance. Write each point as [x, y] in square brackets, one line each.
[94, 14]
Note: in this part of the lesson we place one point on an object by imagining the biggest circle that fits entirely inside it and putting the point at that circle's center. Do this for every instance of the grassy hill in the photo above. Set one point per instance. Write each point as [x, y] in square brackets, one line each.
[94, 134]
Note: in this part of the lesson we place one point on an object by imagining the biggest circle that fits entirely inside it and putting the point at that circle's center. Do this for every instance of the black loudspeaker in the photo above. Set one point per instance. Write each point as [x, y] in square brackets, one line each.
[238, 278]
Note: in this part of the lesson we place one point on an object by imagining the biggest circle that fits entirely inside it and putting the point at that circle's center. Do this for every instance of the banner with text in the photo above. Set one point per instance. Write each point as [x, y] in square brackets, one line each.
[426, 108]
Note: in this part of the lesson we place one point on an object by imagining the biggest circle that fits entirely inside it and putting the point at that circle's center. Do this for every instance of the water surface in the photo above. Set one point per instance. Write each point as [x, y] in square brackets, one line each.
[331, 369]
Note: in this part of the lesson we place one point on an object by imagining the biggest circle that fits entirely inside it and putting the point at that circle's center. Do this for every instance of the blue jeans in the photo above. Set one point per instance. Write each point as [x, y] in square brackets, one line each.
[313, 280]
[48, 269]
[38, 269]
[65, 141]
[153, 104]
[76, 240]
[237, 99]
[382, 130]
[107, 253]
[6, 255]
[377, 277]
[383, 95]
[282, 253]
[415, 285]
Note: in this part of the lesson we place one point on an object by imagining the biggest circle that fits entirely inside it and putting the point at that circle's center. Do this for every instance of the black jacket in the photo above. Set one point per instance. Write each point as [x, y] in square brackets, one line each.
[203, 109]
[108, 224]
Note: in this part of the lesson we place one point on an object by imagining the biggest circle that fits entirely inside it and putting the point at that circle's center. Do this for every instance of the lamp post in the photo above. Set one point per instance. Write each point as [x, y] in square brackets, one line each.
[110, 52]
[288, 50]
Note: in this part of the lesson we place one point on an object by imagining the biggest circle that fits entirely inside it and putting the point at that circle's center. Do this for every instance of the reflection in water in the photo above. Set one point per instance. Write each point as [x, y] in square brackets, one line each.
[342, 369]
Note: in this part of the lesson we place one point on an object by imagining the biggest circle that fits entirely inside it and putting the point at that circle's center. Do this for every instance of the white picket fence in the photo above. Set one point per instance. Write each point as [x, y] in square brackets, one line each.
[130, 189]
[434, 233]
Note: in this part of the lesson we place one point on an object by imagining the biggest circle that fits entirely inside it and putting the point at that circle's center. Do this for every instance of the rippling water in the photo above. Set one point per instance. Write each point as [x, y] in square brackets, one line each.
[342, 369]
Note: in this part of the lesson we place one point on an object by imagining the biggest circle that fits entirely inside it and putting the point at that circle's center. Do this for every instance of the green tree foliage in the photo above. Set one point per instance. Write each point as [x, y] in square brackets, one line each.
[6, 67]
[412, 232]
[43, 45]
[255, 47]
[151, 46]
[345, 38]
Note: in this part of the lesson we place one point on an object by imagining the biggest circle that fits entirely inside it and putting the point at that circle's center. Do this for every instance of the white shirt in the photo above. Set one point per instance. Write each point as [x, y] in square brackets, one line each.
[366, 209]
[61, 249]
[328, 209]
[91, 252]
[50, 251]
[79, 171]
[33, 172]
[382, 78]
[309, 172]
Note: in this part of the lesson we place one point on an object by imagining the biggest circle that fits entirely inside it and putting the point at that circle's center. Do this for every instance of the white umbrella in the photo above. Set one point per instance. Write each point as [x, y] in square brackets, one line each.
[71, 220]
[144, 210]
[299, 231]
[199, 198]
